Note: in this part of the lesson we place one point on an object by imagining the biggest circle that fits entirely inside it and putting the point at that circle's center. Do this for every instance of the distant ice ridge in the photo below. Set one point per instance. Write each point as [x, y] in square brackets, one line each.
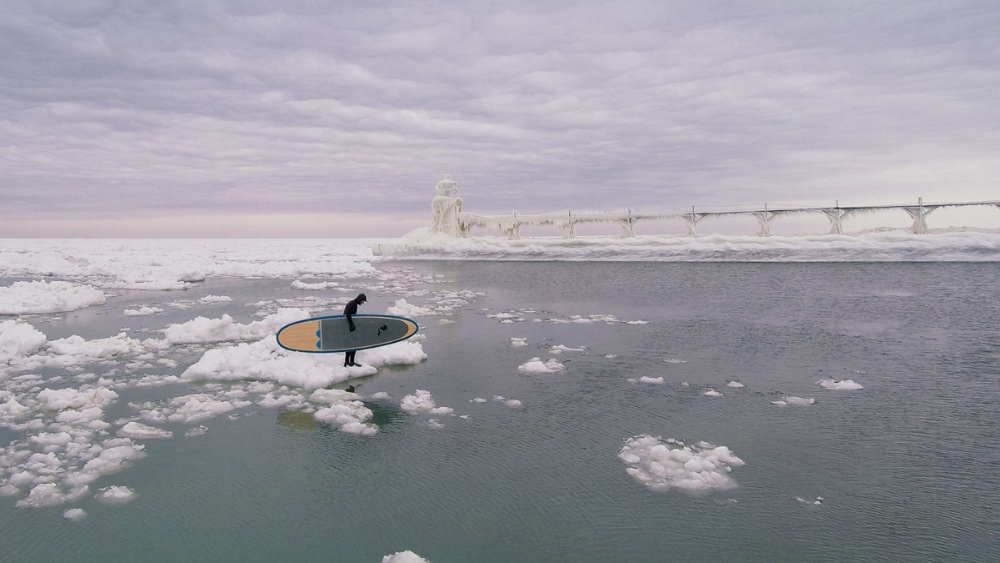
[890, 246]
[175, 264]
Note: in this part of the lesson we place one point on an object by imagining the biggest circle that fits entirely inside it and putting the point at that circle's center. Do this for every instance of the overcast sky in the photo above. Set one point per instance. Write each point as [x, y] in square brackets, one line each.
[325, 118]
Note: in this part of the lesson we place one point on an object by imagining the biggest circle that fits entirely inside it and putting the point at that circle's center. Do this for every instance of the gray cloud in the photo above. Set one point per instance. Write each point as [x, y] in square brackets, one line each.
[131, 108]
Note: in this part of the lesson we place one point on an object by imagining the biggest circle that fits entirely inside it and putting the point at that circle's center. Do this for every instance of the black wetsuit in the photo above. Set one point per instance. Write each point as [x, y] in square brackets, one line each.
[350, 310]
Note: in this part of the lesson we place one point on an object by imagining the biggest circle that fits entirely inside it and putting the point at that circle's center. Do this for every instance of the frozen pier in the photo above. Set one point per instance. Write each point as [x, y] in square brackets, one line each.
[450, 218]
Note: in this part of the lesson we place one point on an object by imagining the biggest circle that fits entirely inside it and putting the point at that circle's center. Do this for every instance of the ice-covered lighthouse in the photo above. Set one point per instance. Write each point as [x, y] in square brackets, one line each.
[446, 207]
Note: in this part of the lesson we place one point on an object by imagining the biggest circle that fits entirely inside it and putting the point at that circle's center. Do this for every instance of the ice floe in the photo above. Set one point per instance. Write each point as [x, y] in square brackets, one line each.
[537, 366]
[661, 465]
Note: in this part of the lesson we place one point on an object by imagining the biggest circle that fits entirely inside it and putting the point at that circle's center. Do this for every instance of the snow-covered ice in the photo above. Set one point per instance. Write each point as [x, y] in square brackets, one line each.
[537, 366]
[661, 465]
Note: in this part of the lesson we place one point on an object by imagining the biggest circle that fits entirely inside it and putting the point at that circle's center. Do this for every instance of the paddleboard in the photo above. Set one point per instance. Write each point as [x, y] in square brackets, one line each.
[333, 334]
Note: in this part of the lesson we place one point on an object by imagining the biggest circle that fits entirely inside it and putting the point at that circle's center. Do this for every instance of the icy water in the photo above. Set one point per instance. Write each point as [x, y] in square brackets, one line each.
[904, 469]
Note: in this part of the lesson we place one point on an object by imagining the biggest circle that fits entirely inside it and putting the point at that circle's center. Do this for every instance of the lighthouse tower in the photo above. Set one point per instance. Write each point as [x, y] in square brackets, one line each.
[446, 207]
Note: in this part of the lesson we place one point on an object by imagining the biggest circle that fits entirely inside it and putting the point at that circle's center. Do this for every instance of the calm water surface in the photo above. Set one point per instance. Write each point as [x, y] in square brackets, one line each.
[906, 468]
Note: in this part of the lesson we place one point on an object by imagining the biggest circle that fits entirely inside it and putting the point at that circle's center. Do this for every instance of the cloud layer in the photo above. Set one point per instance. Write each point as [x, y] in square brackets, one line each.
[170, 116]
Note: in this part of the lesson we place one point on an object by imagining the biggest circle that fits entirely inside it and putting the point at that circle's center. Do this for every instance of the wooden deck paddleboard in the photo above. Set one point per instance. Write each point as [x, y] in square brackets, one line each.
[333, 334]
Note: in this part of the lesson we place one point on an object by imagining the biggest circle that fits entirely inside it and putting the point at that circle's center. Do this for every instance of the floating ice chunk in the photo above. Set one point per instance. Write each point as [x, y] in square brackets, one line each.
[115, 495]
[265, 360]
[139, 431]
[225, 329]
[409, 352]
[8, 490]
[25, 297]
[674, 361]
[77, 350]
[507, 318]
[843, 385]
[199, 406]
[735, 384]
[652, 380]
[115, 455]
[319, 286]
[350, 416]
[559, 349]
[660, 465]
[422, 402]
[795, 401]
[330, 396]
[536, 365]
[404, 309]
[50, 494]
[518, 342]
[196, 431]
[215, 299]
[404, 557]
[11, 409]
[512, 403]
[142, 311]
[478, 400]
[75, 514]
[18, 340]
[69, 398]
[712, 393]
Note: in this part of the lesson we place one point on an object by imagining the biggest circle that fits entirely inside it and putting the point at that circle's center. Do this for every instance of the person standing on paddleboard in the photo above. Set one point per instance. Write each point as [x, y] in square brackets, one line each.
[349, 311]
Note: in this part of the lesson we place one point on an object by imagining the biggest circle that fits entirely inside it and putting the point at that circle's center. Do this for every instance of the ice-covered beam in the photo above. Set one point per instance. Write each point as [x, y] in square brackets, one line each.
[919, 215]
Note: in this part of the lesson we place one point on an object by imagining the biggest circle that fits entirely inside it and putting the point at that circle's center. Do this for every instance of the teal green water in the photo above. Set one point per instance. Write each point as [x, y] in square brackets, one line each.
[906, 467]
